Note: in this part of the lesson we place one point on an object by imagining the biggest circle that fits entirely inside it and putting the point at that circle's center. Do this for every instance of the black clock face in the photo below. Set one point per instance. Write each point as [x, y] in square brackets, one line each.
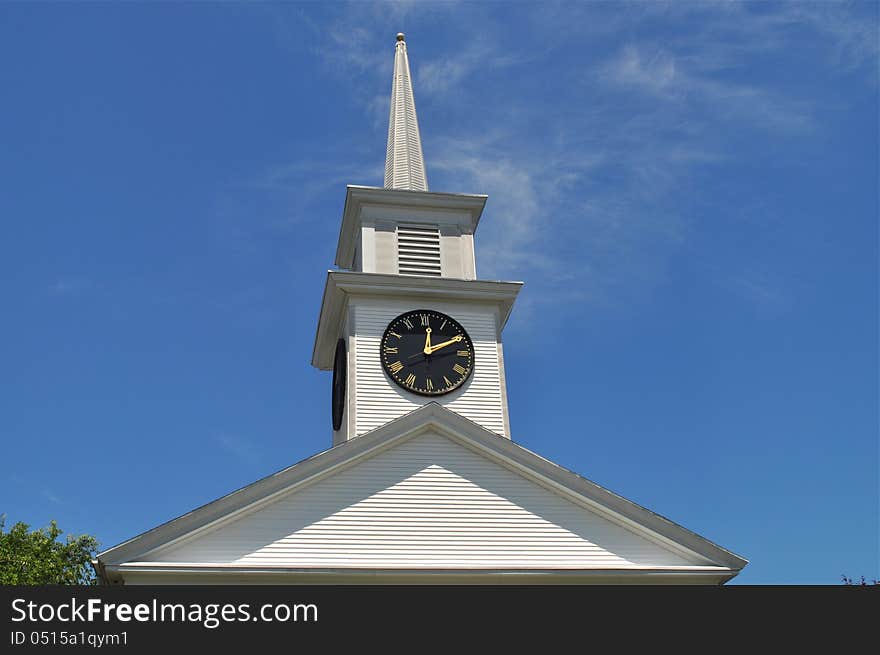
[427, 352]
[339, 370]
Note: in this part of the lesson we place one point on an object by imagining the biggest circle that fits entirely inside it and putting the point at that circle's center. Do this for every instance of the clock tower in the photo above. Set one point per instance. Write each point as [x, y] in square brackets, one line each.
[405, 321]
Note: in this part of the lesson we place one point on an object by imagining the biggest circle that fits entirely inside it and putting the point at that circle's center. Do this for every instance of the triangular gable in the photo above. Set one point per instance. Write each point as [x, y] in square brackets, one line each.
[428, 502]
[325, 513]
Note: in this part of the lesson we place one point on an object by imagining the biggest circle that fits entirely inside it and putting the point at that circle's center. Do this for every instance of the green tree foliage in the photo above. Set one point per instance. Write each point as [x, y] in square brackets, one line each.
[38, 557]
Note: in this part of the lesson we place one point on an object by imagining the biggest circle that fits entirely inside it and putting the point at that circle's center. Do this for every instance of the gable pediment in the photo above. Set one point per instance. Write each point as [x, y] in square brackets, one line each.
[430, 491]
[428, 502]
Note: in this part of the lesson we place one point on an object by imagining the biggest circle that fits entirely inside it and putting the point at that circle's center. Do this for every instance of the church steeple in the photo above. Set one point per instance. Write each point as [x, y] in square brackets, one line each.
[404, 164]
[407, 258]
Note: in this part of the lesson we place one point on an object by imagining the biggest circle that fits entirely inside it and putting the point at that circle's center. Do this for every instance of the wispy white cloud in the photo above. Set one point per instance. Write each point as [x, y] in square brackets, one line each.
[378, 108]
[654, 72]
[846, 31]
[313, 174]
[285, 193]
[351, 42]
[446, 74]
[604, 201]
[70, 286]
[760, 290]
[665, 77]
[723, 32]
[590, 181]
[538, 226]
[238, 447]
[51, 497]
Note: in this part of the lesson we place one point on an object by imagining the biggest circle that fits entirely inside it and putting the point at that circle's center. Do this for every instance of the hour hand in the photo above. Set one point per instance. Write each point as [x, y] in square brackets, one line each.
[427, 349]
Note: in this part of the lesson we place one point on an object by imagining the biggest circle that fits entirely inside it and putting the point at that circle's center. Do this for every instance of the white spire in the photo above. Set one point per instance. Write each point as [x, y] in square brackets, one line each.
[404, 164]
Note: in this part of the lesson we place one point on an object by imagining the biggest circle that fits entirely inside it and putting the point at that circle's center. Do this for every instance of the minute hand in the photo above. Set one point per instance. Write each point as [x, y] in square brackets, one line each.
[454, 339]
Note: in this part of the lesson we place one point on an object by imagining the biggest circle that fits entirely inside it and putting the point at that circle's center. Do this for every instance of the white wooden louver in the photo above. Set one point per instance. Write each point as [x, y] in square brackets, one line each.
[418, 250]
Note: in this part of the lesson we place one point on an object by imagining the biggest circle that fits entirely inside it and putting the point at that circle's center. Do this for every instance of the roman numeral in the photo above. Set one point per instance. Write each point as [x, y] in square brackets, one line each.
[410, 379]
[442, 325]
[429, 385]
[395, 367]
[461, 353]
[425, 320]
[458, 368]
[446, 380]
[408, 323]
[395, 334]
[389, 350]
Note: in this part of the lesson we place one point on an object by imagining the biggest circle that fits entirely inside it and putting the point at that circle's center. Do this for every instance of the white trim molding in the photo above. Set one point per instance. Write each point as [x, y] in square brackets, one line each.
[366, 205]
[341, 285]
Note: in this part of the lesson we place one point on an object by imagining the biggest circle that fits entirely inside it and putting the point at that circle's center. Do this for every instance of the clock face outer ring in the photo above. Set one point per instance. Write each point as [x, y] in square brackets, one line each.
[340, 364]
[465, 343]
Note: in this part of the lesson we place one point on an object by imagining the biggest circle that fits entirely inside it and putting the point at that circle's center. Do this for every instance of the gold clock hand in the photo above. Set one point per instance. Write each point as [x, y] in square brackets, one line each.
[432, 349]
[427, 349]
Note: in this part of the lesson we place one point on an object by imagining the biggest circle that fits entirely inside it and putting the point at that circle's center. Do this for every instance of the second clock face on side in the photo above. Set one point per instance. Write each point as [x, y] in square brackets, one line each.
[427, 352]
[340, 364]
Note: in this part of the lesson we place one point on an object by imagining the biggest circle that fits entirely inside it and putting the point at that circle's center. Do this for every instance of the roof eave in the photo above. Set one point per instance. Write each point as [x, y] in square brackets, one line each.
[633, 575]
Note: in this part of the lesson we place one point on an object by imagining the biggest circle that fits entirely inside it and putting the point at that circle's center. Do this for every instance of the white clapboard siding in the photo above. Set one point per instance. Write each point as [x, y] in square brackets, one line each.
[378, 400]
[428, 502]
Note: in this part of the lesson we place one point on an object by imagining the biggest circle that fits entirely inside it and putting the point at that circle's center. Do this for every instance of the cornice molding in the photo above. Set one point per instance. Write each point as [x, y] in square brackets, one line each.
[341, 285]
[446, 209]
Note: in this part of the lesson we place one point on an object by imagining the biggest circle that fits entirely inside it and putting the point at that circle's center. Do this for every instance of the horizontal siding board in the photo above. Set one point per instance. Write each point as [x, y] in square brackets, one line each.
[378, 400]
[425, 503]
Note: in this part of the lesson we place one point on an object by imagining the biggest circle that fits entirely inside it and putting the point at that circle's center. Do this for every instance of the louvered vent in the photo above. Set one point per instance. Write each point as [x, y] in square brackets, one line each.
[418, 250]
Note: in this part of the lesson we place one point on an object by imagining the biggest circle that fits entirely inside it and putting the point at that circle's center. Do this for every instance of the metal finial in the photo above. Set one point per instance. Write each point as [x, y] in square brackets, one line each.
[401, 36]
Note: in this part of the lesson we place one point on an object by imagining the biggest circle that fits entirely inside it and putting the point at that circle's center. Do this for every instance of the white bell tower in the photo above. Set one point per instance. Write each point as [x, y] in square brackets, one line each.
[403, 248]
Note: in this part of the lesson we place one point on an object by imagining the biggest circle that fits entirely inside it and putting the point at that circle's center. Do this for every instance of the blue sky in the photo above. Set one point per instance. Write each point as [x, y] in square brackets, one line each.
[688, 191]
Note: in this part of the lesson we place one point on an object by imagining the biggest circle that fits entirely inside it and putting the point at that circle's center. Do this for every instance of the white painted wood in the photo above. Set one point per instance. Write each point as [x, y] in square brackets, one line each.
[457, 253]
[167, 575]
[418, 250]
[368, 248]
[393, 237]
[342, 286]
[427, 502]
[404, 163]
[378, 400]
[366, 208]
[386, 247]
[468, 258]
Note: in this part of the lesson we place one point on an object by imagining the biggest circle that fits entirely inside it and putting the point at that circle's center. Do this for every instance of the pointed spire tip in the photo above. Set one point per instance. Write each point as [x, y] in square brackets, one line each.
[404, 162]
